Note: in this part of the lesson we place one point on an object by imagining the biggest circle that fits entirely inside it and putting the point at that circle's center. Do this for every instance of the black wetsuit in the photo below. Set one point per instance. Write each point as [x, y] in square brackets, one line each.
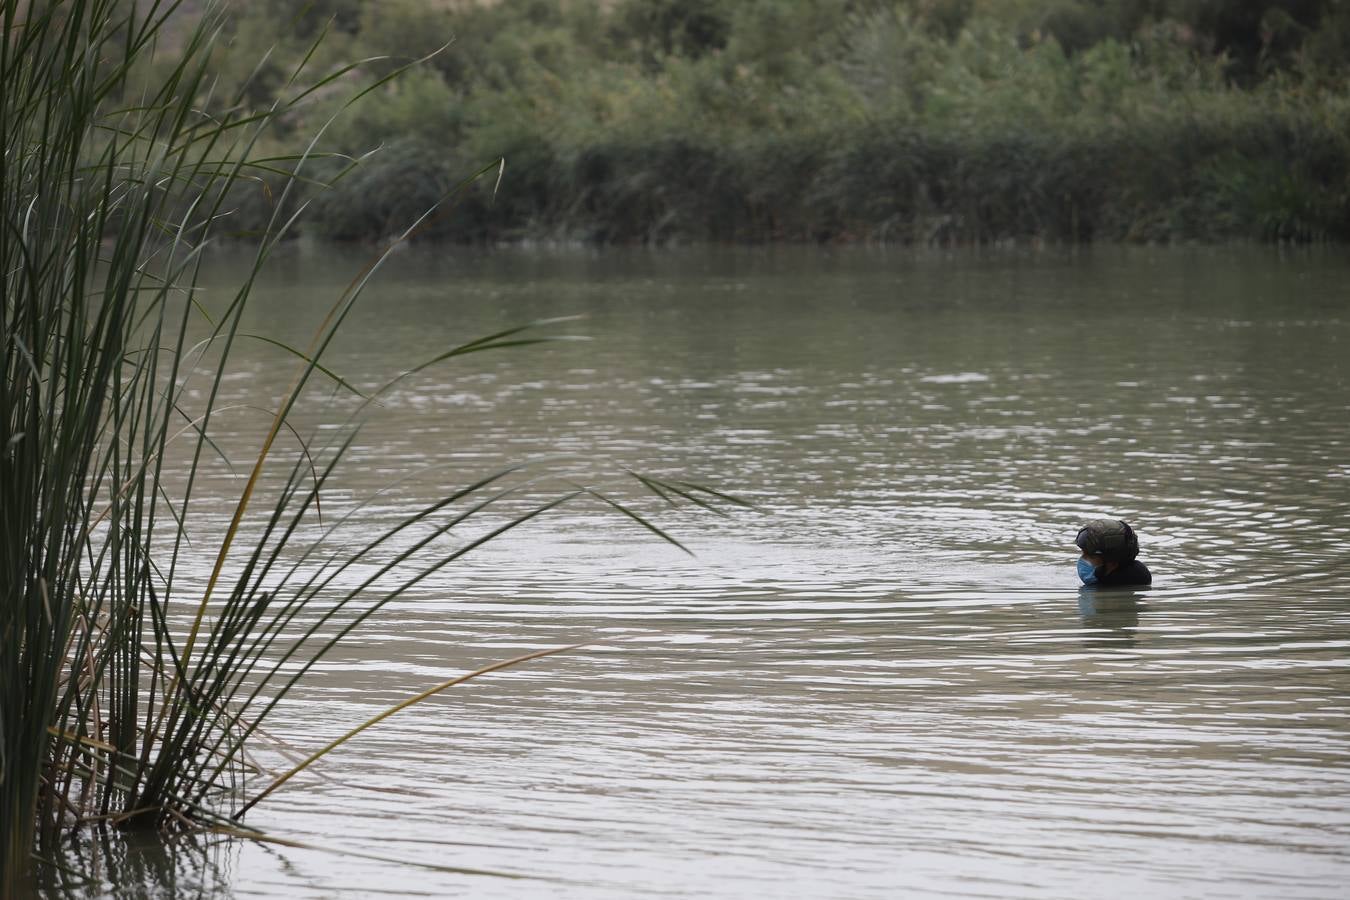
[1133, 572]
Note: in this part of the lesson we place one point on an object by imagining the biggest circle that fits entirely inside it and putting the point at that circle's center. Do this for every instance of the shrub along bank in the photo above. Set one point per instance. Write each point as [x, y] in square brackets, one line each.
[833, 120]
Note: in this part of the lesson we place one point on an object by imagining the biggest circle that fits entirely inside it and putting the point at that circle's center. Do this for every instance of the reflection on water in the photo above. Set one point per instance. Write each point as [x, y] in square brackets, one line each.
[142, 866]
[1110, 616]
[889, 681]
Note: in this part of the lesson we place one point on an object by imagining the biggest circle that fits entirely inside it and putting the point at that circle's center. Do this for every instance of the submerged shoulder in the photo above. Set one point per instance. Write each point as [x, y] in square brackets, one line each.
[1133, 572]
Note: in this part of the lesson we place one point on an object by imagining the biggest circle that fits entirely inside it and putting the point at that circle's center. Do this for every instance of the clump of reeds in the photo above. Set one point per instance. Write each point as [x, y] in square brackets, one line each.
[130, 687]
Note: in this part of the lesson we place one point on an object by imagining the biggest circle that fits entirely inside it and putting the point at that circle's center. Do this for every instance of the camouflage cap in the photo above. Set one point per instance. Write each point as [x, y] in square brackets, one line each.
[1112, 539]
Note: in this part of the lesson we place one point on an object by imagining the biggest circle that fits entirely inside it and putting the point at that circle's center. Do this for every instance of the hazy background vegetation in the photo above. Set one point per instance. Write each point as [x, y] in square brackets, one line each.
[821, 120]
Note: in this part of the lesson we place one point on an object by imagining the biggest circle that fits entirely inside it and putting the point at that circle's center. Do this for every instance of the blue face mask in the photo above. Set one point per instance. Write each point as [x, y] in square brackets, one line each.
[1086, 571]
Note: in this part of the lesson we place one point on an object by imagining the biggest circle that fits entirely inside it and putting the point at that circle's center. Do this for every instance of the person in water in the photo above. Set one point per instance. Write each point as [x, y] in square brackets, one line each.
[1109, 549]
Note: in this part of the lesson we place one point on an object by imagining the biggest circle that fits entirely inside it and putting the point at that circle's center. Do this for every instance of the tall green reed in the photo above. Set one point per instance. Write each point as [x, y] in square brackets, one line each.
[130, 686]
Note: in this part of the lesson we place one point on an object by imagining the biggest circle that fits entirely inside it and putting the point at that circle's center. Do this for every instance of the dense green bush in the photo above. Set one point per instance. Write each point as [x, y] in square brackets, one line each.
[909, 120]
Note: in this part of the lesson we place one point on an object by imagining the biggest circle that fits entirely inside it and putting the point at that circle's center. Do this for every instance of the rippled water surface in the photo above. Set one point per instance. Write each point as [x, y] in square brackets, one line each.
[887, 680]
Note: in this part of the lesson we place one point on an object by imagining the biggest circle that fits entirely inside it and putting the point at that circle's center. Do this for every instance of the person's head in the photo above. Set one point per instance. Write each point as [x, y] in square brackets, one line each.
[1107, 542]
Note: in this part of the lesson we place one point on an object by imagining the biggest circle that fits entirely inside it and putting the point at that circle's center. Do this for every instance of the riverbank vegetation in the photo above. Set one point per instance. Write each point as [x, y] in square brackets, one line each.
[927, 121]
[150, 624]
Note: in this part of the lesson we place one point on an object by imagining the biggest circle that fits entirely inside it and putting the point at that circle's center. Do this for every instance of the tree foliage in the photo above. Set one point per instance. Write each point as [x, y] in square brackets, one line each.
[597, 108]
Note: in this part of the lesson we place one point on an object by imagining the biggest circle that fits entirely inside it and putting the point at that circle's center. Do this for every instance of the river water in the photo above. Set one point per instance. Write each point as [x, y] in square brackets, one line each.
[886, 680]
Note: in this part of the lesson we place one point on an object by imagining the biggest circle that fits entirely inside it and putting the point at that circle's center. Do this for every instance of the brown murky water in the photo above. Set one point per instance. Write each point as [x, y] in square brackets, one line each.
[888, 681]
